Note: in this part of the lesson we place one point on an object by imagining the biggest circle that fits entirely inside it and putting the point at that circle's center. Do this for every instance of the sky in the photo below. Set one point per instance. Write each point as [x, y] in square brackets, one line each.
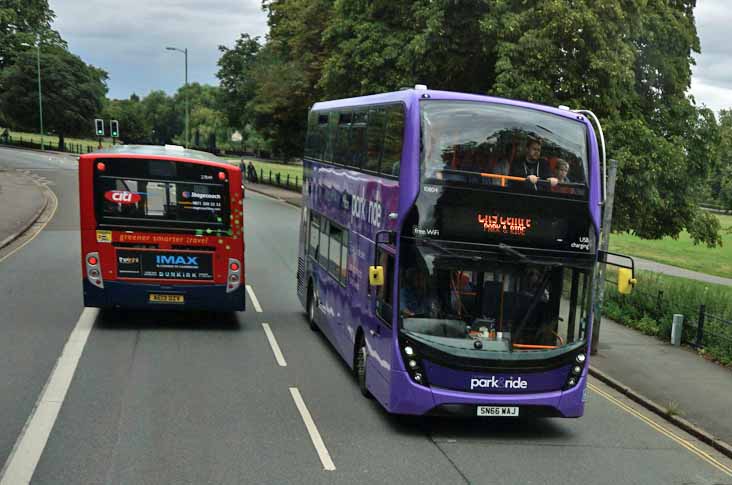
[128, 40]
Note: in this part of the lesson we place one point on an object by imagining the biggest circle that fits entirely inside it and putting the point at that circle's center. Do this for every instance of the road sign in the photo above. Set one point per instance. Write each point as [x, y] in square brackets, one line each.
[99, 126]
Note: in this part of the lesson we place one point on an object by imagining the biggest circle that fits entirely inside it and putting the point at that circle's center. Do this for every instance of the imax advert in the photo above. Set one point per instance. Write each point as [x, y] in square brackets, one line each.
[164, 265]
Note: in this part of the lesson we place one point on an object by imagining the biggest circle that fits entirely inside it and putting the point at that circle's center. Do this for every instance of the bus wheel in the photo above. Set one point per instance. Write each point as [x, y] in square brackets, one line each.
[311, 309]
[361, 368]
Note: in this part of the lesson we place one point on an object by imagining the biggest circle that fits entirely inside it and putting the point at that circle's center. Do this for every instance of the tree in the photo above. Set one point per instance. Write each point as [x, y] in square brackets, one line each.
[235, 73]
[73, 92]
[23, 21]
[721, 178]
[162, 120]
[385, 45]
[630, 63]
[131, 117]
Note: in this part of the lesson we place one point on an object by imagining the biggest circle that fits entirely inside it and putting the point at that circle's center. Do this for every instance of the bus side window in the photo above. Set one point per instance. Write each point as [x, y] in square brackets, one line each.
[323, 246]
[390, 162]
[358, 139]
[343, 156]
[314, 235]
[374, 139]
[384, 294]
[330, 137]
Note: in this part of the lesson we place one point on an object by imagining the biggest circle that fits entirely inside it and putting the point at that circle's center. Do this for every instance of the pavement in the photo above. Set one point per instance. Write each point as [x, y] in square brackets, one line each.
[674, 382]
[655, 267]
[22, 201]
[289, 196]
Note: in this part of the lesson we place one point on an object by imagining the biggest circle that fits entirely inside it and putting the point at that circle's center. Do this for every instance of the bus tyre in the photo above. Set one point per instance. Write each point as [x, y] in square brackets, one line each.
[311, 310]
[360, 368]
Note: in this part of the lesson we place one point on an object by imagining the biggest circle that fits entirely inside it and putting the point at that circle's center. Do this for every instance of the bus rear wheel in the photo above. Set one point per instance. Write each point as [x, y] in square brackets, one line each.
[360, 368]
[311, 309]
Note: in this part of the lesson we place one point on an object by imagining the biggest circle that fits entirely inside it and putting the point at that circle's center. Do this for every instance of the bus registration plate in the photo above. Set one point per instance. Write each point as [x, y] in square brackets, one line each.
[498, 411]
[165, 298]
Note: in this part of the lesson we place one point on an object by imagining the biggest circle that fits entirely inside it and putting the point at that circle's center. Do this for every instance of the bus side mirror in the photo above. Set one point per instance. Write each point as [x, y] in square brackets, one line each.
[625, 281]
[376, 275]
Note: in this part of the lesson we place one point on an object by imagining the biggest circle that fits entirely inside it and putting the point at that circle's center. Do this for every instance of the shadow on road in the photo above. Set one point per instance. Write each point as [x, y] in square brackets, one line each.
[168, 320]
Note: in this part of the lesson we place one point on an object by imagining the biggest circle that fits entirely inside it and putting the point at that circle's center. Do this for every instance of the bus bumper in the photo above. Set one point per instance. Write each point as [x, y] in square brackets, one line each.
[137, 296]
[420, 400]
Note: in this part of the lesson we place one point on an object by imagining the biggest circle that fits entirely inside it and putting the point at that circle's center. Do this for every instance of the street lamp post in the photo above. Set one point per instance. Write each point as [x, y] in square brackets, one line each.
[185, 53]
[40, 95]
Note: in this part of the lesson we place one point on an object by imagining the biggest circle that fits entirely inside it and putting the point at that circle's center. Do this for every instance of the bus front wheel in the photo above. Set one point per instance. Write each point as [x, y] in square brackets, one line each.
[361, 354]
[311, 309]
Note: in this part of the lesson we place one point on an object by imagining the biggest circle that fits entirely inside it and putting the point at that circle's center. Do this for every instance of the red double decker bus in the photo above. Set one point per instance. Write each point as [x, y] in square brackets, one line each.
[161, 227]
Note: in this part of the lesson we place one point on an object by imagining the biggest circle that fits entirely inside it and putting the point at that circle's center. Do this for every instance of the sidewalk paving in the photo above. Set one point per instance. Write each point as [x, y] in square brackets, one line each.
[289, 196]
[22, 201]
[655, 267]
[676, 378]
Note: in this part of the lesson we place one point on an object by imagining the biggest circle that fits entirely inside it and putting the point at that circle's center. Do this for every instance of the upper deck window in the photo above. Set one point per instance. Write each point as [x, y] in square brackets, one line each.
[368, 138]
[502, 146]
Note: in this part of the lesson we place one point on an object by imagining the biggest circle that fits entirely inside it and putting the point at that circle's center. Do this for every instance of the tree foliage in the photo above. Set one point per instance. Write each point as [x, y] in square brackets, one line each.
[627, 60]
[73, 91]
[24, 22]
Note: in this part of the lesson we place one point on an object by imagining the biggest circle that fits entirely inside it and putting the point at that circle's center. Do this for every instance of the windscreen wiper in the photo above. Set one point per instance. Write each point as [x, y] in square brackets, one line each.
[448, 251]
[510, 250]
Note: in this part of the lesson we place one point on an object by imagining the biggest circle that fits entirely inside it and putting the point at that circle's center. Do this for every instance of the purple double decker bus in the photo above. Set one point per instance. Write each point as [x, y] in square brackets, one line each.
[448, 245]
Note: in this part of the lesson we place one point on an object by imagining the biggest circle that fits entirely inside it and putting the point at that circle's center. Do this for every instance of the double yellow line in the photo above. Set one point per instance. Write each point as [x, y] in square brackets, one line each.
[666, 432]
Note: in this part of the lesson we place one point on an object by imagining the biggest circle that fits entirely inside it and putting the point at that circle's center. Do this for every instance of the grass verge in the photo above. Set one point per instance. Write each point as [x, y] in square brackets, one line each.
[682, 252]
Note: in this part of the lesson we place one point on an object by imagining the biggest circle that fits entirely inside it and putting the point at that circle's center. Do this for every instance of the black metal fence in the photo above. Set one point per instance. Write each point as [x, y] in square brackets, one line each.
[21, 142]
[276, 179]
[651, 310]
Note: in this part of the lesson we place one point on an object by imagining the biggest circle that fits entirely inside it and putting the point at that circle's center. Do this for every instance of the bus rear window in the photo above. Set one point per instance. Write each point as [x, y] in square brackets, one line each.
[162, 195]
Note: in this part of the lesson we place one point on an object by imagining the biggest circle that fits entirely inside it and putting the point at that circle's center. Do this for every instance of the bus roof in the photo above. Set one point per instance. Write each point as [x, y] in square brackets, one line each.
[159, 151]
[413, 94]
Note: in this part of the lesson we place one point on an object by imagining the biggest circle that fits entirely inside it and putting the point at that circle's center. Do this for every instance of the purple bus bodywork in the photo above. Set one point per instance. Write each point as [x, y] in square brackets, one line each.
[348, 197]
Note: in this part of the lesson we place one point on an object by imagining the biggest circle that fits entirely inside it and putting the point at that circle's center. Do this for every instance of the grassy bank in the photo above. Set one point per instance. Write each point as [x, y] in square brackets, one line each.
[53, 139]
[682, 252]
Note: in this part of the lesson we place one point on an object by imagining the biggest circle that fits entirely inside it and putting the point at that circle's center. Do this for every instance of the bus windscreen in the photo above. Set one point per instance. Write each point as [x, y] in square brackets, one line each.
[162, 194]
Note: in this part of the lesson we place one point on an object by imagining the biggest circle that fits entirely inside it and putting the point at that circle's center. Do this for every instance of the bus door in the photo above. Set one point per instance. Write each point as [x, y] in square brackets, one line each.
[379, 329]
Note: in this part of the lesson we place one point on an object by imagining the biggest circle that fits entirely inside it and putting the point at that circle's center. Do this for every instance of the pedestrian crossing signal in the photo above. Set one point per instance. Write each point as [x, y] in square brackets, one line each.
[114, 128]
[99, 124]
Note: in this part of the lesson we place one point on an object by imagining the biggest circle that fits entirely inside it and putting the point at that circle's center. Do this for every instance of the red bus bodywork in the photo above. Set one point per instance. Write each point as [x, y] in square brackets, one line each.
[192, 268]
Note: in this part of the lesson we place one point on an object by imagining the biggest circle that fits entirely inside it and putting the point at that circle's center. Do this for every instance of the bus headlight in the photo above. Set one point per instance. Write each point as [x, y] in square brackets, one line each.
[412, 363]
[577, 370]
[581, 358]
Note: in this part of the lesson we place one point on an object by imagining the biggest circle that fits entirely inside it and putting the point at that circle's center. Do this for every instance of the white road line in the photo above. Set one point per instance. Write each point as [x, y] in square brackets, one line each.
[275, 347]
[253, 297]
[30, 444]
[312, 430]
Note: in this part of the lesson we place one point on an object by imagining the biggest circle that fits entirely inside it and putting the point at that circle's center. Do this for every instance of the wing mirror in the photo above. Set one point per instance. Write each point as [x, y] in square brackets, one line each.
[625, 281]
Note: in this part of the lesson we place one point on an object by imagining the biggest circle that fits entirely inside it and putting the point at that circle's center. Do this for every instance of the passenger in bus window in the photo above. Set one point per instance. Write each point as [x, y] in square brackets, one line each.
[561, 174]
[533, 167]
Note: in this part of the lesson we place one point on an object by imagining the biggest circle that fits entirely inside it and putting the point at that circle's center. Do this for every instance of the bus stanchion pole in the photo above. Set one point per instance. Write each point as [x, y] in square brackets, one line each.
[599, 287]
